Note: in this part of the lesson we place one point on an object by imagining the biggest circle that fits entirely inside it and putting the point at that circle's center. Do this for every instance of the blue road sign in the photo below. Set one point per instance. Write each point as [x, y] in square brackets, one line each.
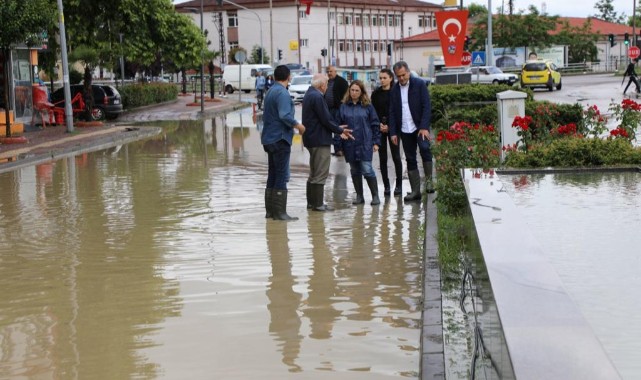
[478, 58]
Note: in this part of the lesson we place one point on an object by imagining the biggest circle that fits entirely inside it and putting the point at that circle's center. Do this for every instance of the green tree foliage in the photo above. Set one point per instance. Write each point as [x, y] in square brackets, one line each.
[21, 21]
[232, 52]
[476, 10]
[255, 55]
[607, 13]
[580, 40]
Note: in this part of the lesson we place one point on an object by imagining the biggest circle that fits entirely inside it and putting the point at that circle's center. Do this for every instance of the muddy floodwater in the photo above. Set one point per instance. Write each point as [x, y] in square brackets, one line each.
[153, 260]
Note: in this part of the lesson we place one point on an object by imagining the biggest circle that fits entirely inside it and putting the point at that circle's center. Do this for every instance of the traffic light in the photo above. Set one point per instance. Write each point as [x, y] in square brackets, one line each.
[466, 46]
[626, 39]
[280, 54]
[611, 39]
[324, 52]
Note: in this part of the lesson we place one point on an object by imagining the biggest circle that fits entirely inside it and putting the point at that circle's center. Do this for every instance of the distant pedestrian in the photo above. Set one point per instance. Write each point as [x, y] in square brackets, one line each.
[319, 126]
[260, 89]
[381, 102]
[278, 132]
[360, 117]
[269, 82]
[631, 72]
[336, 90]
[410, 113]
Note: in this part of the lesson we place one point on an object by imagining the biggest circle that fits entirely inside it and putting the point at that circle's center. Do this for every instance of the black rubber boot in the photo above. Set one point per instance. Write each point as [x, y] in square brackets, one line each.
[373, 188]
[318, 197]
[310, 199]
[398, 190]
[427, 170]
[358, 186]
[268, 203]
[279, 206]
[415, 183]
[386, 187]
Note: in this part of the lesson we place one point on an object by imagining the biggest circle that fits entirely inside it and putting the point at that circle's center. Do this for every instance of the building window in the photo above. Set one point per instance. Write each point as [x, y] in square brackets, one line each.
[382, 47]
[390, 20]
[357, 20]
[332, 15]
[359, 46]
[232, 20]
[302, 15]
[366, 20]
[349, 46]
[348, 19]
[366, 46]
[374, 20]
[233, 45]
[397, 20]
[341, 46]
[381, 20]
[340, 18]
[304, 42]
[375, 46]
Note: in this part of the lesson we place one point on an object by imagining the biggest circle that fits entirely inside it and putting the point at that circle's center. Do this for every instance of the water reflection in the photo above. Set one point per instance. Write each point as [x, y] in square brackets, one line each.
[283, 300]
[154, 260]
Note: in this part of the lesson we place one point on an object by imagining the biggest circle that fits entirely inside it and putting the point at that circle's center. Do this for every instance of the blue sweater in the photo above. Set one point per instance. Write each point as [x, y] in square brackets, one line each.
[278, 116]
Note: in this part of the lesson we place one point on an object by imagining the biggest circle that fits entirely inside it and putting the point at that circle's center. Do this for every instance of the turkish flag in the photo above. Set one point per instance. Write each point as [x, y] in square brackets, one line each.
[452, 27]
[308, 3]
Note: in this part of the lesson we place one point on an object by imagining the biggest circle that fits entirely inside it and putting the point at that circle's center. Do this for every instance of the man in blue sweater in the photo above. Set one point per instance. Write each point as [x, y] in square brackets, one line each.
[319, 124]
[409, 117]
[277, 135]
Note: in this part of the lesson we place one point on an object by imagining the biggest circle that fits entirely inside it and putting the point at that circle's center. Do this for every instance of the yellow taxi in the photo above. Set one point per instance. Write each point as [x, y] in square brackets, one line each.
[540, 74]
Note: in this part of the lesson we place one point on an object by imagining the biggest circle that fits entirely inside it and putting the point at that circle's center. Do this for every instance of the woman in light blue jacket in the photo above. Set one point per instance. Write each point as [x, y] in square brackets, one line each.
[360, 116]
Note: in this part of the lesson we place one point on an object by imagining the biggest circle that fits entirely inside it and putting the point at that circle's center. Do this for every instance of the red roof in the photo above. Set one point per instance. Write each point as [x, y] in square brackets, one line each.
[598, 26]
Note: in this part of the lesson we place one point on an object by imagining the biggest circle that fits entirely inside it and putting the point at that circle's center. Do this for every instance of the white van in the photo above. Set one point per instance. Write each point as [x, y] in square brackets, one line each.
[247, 76]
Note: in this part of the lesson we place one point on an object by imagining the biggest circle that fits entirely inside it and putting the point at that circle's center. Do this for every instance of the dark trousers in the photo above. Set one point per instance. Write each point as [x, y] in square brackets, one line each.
[396, 156]
[410, 142]
[336, 138]
[636, 83]
[278, 155]
[319, 160]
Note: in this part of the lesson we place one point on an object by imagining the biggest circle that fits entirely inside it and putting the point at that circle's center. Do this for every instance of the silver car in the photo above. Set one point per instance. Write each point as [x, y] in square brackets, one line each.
[298, 87]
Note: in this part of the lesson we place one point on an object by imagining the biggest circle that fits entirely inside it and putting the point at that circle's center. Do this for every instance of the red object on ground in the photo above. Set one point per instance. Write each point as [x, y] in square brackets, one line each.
[13, 140]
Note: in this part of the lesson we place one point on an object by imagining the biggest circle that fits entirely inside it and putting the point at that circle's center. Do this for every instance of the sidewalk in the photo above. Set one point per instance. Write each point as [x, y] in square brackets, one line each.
[53, 142]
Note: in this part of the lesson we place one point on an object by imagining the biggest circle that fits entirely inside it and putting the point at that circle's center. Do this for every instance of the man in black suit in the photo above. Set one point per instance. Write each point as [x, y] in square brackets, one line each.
[336, 89]
[319, 126]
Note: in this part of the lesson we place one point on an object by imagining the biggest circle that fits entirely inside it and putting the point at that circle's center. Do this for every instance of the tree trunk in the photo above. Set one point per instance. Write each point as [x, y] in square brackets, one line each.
[88, 94]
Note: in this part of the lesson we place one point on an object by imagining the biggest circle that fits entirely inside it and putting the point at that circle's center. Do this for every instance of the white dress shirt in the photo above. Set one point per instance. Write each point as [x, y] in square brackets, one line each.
[407, 123]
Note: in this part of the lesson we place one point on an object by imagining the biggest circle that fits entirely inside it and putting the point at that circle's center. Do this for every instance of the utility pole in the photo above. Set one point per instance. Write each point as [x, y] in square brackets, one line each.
[65, 69]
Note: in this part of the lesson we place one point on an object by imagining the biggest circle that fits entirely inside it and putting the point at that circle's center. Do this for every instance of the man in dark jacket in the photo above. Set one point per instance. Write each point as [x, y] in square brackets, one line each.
[409, 118]
[319, 126]
[631, 72]
[336, 90]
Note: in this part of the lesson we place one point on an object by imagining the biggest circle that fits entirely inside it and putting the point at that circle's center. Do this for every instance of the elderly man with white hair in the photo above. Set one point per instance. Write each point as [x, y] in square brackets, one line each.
[319, 126]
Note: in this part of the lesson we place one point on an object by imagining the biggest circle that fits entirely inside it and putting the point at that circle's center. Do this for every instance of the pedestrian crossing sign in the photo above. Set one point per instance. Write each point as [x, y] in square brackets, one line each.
[478, 58]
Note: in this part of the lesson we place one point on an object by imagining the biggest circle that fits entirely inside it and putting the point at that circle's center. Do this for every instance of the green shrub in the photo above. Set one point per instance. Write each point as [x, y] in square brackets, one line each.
[576, 152]
[75, 76]
[138, 95]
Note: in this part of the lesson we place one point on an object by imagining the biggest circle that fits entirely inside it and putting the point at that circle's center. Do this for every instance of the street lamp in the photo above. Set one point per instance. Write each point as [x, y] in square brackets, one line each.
[202, 57]
[260, 22]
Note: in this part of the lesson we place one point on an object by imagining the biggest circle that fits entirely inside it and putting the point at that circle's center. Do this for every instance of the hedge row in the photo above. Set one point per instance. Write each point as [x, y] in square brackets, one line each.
[138, 95]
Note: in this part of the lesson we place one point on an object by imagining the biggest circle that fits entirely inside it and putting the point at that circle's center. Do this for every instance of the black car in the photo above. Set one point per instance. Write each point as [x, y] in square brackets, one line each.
[106, 99]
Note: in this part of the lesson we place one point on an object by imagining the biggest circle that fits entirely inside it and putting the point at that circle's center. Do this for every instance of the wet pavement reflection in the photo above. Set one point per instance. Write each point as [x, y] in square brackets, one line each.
[154, 260]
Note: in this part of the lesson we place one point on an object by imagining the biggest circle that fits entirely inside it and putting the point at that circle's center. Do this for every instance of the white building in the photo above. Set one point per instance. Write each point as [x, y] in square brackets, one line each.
[354, 33]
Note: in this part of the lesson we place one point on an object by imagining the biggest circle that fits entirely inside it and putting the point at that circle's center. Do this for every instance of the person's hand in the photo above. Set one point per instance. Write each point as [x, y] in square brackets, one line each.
[375, 148]
[301, 128]
[394, 140]
[347, 134]
[425, 134]
[384, 128]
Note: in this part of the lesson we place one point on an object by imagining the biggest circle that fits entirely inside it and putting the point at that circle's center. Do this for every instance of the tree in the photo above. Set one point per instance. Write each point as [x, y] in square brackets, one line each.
[531, 29]
[232, 54]
[21, 20]
[580, 40]
[607, 13]
[255, 56]
[475, 10]
[89, 59]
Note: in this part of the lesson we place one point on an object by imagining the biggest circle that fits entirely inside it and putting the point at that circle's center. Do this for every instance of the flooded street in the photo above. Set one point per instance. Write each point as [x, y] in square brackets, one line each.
[153, 260]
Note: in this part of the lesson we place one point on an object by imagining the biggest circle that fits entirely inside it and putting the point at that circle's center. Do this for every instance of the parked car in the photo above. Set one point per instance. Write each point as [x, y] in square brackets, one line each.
[106, 99]
[540, 74]
[491, 75]
[298, 87]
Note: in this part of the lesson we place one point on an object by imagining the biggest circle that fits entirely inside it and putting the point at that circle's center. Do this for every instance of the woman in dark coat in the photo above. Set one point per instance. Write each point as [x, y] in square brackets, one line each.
[360, 117]
[380, 100]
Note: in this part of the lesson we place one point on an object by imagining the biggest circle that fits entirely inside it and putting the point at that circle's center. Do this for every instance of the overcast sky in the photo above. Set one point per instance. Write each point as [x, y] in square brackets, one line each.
[568, 8]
